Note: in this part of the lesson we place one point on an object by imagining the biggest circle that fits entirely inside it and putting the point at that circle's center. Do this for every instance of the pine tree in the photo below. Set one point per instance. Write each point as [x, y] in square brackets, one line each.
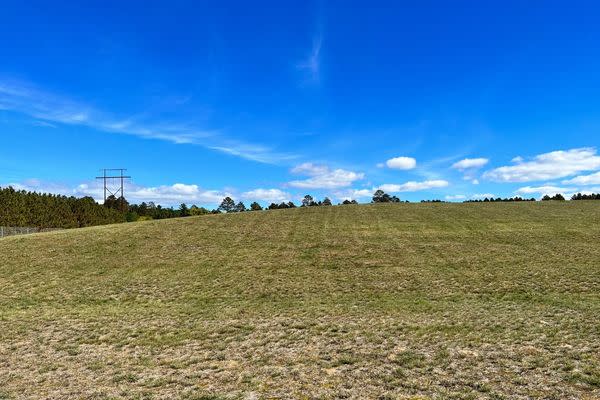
[183, 210]
[227, 205]
[240, 207]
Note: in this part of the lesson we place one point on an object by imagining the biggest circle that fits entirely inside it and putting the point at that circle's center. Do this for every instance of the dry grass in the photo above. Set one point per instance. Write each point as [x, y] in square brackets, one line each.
[415, 301]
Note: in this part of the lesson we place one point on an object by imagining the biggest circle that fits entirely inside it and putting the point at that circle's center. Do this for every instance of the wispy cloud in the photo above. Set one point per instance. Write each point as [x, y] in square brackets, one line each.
[259, 153]
[312, 64]
[469, 167]
[49, 109]
[434, 169]
[45, 124]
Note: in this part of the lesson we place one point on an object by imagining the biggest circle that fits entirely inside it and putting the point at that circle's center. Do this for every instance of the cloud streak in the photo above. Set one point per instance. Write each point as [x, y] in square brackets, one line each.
[49, 108]
[312, 64]
[593, 179]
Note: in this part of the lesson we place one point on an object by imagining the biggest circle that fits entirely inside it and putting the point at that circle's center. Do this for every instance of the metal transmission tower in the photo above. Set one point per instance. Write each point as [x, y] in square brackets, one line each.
[109, 186]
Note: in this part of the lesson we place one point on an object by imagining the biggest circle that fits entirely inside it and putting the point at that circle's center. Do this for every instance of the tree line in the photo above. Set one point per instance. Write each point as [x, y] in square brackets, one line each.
[556, 197]
[579, 196]
[149, 210]
[228, 205]
[41, 210]
[498, 199]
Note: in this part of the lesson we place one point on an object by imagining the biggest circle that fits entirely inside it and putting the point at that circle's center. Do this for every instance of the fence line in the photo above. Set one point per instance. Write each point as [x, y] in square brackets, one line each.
[22, 230]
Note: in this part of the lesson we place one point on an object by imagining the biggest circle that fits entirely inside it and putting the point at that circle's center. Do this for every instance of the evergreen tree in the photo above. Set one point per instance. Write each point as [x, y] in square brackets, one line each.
[41, 210]
[240, 207]
[111, 202]
[227, 205]
[184, 210]
[123, 204]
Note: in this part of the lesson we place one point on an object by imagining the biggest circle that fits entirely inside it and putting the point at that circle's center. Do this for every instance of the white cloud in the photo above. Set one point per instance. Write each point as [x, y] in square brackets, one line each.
[543, 190]
[184, 189]
[470, 163]
[456, 197]
[354, 194]
[174, 194]
[553, 165]
[310, 169]
[322, 177]
[481, 196]
[593, 179]
[590, 190]
[48, 108]
[267, 195]
[401, 163]
[413, 186]
[475, 181]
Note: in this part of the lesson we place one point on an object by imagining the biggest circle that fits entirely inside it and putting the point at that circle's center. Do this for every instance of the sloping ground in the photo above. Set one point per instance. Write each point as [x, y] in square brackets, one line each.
[384, 301]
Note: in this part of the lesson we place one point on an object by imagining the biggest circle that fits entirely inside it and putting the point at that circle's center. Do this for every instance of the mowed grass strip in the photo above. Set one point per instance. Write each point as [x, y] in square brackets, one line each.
[436, 301]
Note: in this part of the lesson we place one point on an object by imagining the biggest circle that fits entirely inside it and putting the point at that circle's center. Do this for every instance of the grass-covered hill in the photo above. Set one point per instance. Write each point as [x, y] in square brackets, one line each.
[493, 301]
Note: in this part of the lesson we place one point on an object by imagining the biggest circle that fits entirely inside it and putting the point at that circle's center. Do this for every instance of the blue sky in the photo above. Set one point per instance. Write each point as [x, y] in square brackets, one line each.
[269, 101]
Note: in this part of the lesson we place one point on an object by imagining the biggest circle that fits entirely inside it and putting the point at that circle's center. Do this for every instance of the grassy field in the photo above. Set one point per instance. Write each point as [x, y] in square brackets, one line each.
[415, 301]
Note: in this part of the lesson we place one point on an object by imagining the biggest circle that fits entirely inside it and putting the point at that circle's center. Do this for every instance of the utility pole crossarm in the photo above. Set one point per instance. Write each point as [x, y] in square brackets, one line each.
[106, 177]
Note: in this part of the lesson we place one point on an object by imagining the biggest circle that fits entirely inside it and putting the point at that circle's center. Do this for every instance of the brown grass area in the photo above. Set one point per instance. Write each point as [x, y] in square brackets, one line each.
[412, 301]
